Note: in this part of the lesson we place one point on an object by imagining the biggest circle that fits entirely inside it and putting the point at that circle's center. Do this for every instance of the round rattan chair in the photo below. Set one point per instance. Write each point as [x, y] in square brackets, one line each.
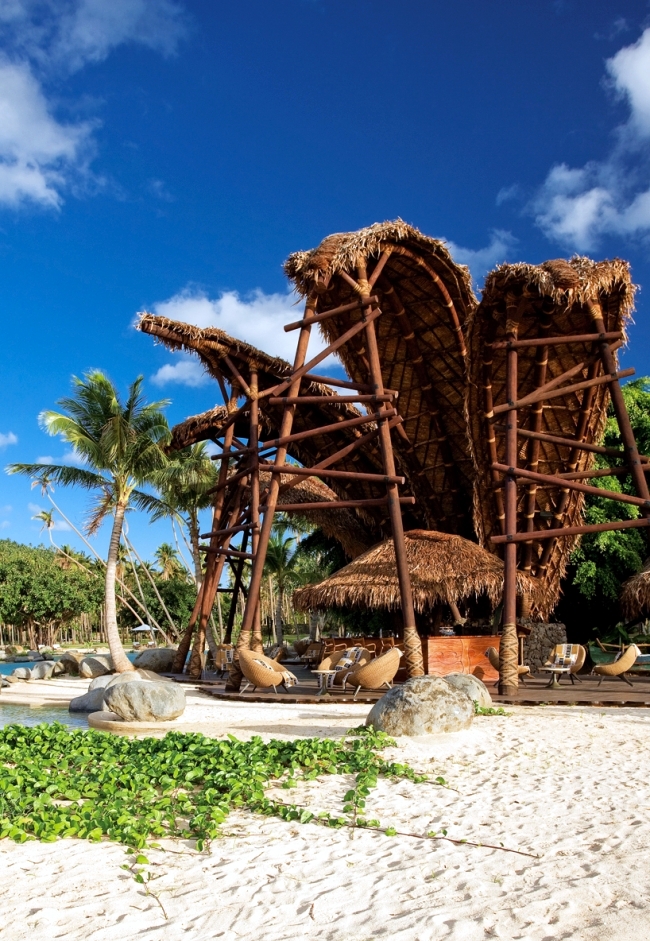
[330, 662]
[260, 671]
[376, 674]
[619, 667]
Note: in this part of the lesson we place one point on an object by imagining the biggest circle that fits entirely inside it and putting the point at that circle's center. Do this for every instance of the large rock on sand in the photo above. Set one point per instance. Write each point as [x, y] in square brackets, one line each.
[145, 702]
[92, 701]
[22, 673]
[70, 661]
[472, 686]
[157, 659]
[43, 671]
[424, 705]
[97, 665]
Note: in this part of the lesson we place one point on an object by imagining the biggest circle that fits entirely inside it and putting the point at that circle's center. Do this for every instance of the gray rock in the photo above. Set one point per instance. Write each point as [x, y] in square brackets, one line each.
[4, 682]
[158, 659]
[11, 679]
[71, 660]
[3, 655]
[42, 671]
[57, 668]
[34, 655]
[424, 705]
[22, 673]
[472, 686]
[96, 665]
[145, 702]
[92, 701]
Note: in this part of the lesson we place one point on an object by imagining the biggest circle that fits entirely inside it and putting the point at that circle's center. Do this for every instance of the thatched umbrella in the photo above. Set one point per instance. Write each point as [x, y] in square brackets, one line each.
[426, 299]
[548, 299]
[444, 569]
[635, 594]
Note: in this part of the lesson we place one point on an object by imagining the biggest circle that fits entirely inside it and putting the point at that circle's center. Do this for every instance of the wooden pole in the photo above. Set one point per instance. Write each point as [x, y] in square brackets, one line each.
[256, 641]
[257, 572]
[412, 642]
[508, 651]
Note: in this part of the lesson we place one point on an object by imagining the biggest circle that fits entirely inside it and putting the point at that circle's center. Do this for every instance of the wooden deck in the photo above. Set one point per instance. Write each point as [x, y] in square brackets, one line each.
[586, 692]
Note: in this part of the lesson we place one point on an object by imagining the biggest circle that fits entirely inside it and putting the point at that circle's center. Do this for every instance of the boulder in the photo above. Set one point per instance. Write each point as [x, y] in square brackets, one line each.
[71, 660]
[92, 701]
[42, 671]
[3, 654]
[11, 679]
[472, 686]
[145, 702]
[423, 705]
[97, 665]
[22, 673]
[158, 659]
[34, 655]
[4, 682]
[57, 668]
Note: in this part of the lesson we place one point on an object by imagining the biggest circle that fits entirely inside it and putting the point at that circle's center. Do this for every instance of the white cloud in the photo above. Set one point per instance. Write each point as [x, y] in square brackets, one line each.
[5, 524]
[577, 206]
[45, 459]
[9, 438]
[40, 155]
[482, 260]
[258, 318]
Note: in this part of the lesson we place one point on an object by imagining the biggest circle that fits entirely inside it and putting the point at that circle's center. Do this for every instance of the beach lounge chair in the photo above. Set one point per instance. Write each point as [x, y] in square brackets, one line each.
[343, 662]
[495, 662]
[260, 671]
[565, 658]
[620, 667]
[376, 674]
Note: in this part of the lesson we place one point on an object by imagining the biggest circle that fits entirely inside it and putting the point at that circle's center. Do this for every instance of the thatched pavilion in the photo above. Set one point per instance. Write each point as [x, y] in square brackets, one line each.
[445, 570]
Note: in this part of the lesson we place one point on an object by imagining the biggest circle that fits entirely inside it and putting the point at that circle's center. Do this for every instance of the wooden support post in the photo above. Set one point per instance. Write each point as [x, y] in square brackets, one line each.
[508, 650]
[618, 402]
[412, 642]
[236, 588]
[293, 385]
[537, 413]
[256, 642]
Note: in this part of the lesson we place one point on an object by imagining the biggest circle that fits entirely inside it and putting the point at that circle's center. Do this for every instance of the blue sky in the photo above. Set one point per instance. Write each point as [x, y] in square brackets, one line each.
[169, 154]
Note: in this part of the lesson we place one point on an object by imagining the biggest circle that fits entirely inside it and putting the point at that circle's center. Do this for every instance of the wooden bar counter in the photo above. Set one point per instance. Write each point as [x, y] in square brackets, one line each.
[460, 654]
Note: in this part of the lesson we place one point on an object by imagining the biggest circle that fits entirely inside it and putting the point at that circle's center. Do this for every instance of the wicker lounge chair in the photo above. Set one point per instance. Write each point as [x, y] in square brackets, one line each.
[565, 658]
[495, 662]
[260, 671]
[376, 674]
[357, 657]
[314, 652]
[223, 657]
[620, 667]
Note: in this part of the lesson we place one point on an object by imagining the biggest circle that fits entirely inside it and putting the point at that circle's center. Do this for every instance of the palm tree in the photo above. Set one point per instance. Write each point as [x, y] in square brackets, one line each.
[281, 559]
[121, 446]
[183, 483]
[167, 561]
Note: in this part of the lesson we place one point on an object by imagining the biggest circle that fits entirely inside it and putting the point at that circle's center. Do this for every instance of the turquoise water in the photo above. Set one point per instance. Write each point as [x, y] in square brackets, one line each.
[8, 668]
[28, 715]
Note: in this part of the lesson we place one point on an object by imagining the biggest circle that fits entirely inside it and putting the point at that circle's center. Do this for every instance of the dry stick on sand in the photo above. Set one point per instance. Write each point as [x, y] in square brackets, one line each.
[390, 831]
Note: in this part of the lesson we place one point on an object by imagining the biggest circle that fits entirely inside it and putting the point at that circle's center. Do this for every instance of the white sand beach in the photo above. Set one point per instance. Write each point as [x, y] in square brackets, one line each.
[569, 785]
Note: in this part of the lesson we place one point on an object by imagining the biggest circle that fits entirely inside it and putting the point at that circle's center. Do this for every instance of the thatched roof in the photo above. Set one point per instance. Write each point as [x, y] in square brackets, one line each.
[635, 594]
[549, 297]
[421, 351]
[444, 569]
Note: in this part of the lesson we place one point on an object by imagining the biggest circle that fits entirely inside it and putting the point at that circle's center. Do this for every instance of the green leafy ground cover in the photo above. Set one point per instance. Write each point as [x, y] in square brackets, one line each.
[55, 783]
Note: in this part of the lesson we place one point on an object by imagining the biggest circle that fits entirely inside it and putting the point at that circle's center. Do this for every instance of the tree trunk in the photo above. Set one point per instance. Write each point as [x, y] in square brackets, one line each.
[193, 528]
[121, 662]
[278, 615]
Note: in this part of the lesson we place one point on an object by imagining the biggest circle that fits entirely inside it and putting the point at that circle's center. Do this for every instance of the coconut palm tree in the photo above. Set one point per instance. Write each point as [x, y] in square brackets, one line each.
[281, 560]
[167, 560]
[183, 483]
[120, 444]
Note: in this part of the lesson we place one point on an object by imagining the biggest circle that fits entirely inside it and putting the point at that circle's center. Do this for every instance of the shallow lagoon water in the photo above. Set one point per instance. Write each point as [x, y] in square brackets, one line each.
[37, 715]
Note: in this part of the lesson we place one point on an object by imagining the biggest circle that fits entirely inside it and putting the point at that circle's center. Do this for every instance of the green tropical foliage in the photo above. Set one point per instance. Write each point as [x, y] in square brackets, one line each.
[603, 561]
[39, 594]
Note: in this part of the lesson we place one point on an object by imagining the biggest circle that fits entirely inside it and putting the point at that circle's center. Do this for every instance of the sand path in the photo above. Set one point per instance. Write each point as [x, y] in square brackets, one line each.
[572, 785]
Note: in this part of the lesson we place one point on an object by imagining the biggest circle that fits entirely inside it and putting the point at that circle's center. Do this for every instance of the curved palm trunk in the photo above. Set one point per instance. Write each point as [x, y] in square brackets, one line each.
[121, 662]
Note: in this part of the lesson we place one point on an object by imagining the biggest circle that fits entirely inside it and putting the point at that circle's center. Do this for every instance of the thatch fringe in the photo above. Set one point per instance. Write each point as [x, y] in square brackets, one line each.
[444, 569]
